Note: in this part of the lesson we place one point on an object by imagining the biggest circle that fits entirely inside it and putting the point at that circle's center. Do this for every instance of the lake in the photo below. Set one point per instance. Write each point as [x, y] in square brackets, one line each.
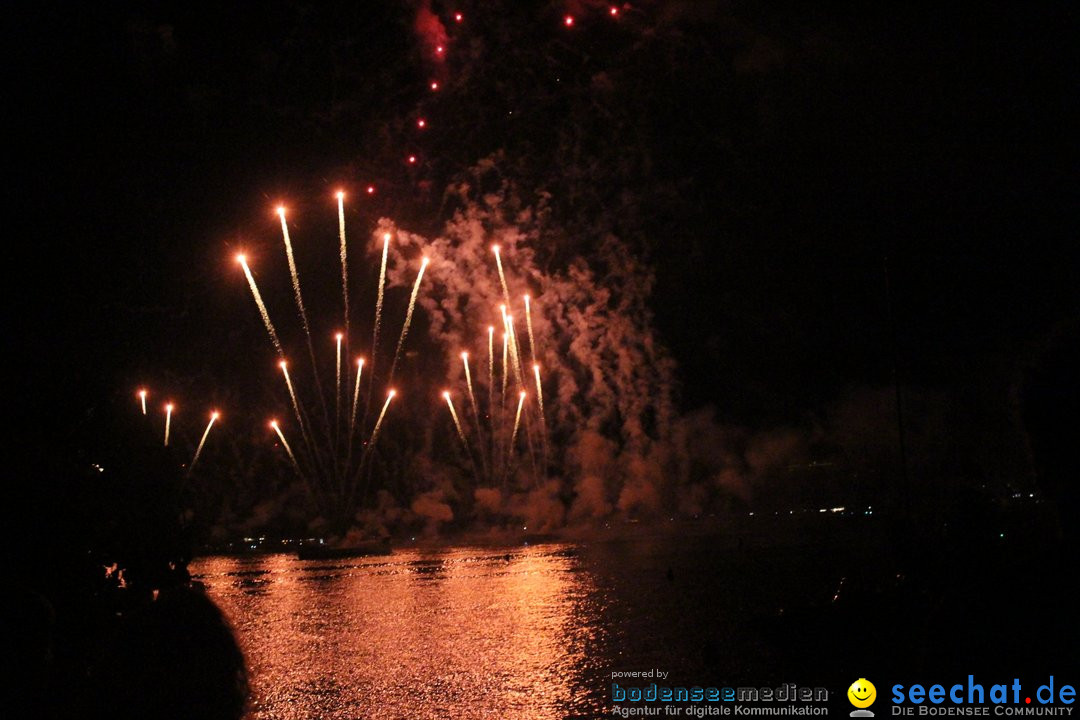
[529, 631]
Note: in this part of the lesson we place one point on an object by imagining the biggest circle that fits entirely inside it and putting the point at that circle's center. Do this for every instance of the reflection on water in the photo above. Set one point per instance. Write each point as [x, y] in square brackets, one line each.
[462, 633]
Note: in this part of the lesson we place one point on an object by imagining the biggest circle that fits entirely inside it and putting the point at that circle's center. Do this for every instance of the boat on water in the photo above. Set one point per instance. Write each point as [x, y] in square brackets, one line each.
[326, 552]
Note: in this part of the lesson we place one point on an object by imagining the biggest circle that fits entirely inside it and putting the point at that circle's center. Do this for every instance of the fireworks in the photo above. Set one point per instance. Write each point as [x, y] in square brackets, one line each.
[504, 370]
[378, 423]
[502, 278]
[517, 421]
[293, 272]
[408, 316]
[300, 306]
[142, 400]
[515, 351]
[457, 422]
[295, 402]
[356, 395]
[202, 441]
[379, 300]
[344, 260]
[539, 394]
[168, 421]
[326, 463]
[285, 444]
[261, 305]
[468, 380]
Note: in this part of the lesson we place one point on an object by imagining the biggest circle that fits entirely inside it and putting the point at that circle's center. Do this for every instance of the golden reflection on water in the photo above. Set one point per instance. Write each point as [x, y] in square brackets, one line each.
[461, 633]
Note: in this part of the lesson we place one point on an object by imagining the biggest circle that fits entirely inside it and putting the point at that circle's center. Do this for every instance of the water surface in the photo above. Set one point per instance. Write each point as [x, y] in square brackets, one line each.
[522, 632]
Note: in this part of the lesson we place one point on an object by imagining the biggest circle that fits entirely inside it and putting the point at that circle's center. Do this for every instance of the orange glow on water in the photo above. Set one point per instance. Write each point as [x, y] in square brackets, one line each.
[510, 629]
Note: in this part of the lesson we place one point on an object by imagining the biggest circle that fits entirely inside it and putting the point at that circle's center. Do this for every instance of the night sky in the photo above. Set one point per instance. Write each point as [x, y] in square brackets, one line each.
[780, 167]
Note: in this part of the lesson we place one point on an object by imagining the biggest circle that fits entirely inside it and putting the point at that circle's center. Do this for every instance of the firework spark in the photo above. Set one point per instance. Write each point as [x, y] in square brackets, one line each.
[168, 422]
[378, 423]
[457, 422]
[468, 382]
[505, 372]
[285, 444]
[379, 301]
[515, 351]
[356, 396]
[198, 451]
[262, 306]
[408, 316]
[142, 400]
[292, 396]
[303, 313]
[502, 276]
[539, 394]
[517, 421]
[344, 261]
[292, 270]
[475, 407]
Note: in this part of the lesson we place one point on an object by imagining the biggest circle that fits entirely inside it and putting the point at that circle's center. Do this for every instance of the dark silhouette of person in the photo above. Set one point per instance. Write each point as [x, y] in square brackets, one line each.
[175, 657]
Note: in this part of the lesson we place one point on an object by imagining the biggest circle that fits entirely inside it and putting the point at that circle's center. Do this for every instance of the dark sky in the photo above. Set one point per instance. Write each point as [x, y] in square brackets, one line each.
[765, 159]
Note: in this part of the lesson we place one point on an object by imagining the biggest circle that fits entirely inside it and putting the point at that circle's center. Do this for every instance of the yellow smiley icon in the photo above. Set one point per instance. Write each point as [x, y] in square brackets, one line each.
[862, 693]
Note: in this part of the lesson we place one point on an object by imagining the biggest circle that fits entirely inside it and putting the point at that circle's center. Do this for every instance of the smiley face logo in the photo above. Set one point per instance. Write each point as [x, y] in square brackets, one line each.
[862, 693]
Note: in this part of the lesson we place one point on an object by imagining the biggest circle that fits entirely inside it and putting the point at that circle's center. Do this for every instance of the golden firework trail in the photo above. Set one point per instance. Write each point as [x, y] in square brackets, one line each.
[475, 407]
[457, 422]
[378, 423]
[539, 395]
[285, 444]
[261, 305]
[468, 382]
[515, 351]
[303, 313]
[355, 397]
[168, 422]
[408, 316]
[517, 422]
[295, 402]
[379, 301]
[293, 272]
[344, 261]
[142, 399]
[502, 276]
[505, 370]
[202, 441]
